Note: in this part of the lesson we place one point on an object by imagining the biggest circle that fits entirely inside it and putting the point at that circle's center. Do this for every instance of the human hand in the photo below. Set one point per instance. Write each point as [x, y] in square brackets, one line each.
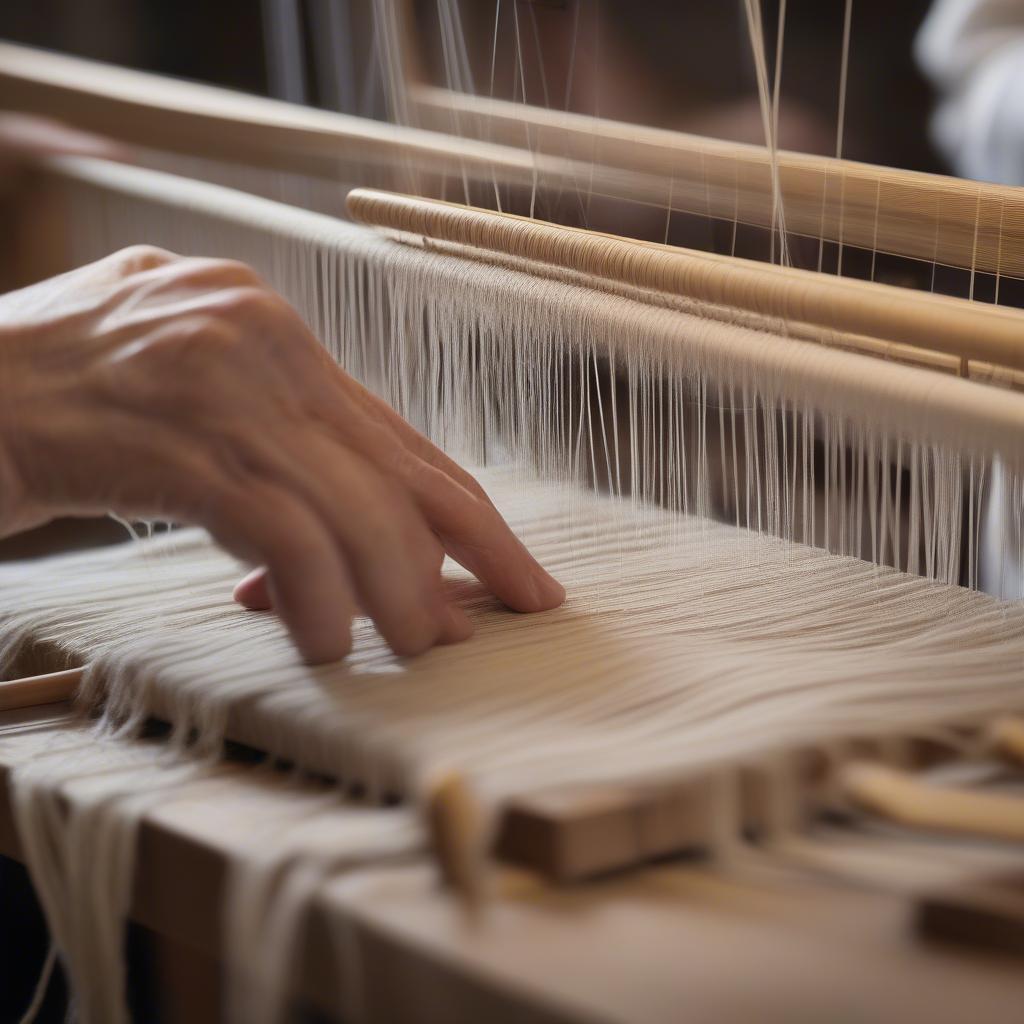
[153, 385]
[26, 139]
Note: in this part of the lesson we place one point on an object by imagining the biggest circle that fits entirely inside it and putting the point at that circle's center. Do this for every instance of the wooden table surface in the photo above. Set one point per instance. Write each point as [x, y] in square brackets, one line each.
[761, 941]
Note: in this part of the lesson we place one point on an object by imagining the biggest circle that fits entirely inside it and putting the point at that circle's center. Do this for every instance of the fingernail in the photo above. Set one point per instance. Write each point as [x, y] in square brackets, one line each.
[252, 592]
[455, 624]
[547, 591]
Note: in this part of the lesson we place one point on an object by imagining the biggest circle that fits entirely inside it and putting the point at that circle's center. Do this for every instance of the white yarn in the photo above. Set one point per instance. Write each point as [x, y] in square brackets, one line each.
[689, 649]
[377, 305]
[701, 627]
[78, 809]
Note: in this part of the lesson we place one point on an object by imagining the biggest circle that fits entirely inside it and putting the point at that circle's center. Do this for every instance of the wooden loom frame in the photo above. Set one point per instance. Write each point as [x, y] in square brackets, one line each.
[929, 217]
[541, 956]
[173, 848]
[556, 832]
[567, 834]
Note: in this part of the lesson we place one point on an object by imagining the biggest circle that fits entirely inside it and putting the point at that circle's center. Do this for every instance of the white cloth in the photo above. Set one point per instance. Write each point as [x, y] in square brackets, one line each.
[973, 51]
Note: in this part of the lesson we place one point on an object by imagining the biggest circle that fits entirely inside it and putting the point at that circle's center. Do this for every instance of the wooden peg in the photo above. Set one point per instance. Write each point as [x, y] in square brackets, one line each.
[1005, 737]
[31, 691]
[905, 799]
[455, 825]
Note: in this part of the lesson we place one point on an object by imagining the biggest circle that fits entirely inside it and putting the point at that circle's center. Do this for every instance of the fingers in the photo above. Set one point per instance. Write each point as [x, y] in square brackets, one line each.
[208, 480]
[475, 535]
[393, 557]
[252, 591]
[379, 411]
[305, 579]
[455, 506]
[333, 535]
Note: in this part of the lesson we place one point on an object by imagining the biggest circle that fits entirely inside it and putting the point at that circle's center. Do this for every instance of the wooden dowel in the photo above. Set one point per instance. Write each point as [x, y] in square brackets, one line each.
[904, 799]
[925, 216]
[168, 114]
[939, 323]
[933, 407]
[1006, 737]
[998, 376]
[929, 217]
[31, 691]
[454, 823]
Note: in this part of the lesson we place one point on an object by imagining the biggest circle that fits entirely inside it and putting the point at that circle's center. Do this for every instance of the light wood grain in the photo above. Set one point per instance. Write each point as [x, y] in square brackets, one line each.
[900, 797]
[772, 945]
[954, 327]
[32, 691]
[926, 216]
[929, 217]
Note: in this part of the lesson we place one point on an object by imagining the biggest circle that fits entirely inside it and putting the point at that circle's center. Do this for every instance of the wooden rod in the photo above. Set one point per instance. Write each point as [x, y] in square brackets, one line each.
[31, 691]
[917, 405]
[930, 217]
[966, 330]
[202, 120]
[1006, 737]
[904, 799]
[925, 216]
[998, 376]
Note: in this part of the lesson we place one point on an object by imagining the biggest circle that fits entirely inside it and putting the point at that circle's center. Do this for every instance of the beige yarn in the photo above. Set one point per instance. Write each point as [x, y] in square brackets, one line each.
[689, 648]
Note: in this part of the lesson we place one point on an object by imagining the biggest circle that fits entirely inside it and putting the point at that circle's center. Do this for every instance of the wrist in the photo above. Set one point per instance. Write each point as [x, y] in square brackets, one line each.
[11, 497]
[15, 514]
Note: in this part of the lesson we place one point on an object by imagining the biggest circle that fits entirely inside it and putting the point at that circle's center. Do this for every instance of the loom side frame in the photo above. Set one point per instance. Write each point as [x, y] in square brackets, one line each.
[925, 216]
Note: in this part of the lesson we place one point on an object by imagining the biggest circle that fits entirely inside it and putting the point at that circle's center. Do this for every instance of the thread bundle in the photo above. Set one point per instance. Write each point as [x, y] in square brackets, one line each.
[732, 602]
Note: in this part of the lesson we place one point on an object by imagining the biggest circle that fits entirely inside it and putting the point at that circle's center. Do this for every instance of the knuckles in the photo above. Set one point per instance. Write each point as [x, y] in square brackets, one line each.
[191, 273]
[181, 365]
[212, 305]
[203, 340]
[246, 304]
[213, 272]
[136, 258]
[225, 325]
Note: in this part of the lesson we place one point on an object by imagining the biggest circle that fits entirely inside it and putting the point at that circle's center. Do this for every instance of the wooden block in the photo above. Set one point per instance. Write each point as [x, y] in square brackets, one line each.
[987, 916]
[573, 833]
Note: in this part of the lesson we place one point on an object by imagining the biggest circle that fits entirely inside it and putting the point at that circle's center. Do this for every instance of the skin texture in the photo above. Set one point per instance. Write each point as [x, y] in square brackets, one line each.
[154, 385]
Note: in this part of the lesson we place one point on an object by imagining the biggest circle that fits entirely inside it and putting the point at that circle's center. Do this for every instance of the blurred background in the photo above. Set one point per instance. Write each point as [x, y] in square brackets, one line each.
[682, 65]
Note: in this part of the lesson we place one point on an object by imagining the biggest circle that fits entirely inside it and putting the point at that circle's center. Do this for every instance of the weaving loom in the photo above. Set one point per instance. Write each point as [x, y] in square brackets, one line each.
[769, 494]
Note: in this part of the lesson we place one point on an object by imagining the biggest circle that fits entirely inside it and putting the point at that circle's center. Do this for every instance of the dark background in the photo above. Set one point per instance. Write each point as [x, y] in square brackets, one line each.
[688, 63]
